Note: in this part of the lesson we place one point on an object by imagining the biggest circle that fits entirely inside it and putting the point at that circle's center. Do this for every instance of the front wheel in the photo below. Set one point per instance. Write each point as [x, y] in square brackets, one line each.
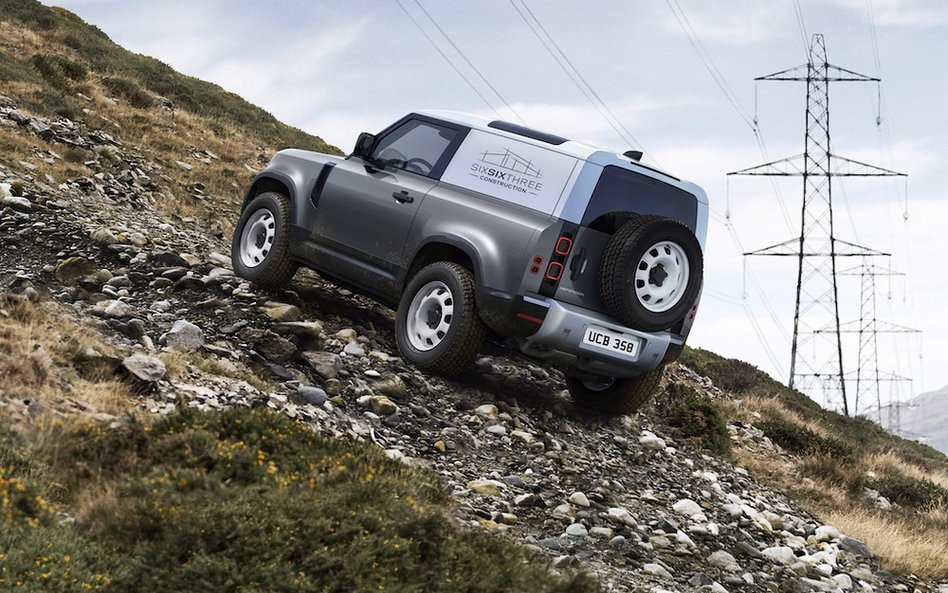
[437, 327]
[614, 396]
[260, 249]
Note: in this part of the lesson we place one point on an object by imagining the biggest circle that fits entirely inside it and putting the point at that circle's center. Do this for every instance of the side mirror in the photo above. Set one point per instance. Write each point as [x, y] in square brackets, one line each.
[364, 146]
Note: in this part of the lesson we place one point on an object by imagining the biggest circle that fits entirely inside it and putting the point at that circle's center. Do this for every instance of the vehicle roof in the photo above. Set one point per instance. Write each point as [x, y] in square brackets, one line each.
[570, 147]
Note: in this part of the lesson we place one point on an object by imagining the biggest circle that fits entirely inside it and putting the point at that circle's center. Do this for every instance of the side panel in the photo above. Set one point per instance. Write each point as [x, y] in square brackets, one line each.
[521, 173]
[495, 234]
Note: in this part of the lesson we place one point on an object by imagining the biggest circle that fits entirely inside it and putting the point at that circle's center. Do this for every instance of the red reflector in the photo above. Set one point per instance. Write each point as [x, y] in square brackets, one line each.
[563, 246]
[530, 318]
[694, 311]
[538, 260]
[554, 271]
[535, 270]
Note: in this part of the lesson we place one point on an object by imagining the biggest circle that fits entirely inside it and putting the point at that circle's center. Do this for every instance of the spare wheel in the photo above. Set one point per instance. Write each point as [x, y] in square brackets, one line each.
[651, 273]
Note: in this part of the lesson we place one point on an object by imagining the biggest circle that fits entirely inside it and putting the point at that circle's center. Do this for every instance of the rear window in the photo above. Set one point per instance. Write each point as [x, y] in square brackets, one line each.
[622, 191]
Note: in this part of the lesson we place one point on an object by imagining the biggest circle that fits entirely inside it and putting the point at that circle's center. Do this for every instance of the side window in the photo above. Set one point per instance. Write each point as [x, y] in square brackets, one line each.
[415, 146]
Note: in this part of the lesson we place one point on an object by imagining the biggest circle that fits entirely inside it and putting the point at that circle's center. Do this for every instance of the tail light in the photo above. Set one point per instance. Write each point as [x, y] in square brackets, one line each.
[554, 269]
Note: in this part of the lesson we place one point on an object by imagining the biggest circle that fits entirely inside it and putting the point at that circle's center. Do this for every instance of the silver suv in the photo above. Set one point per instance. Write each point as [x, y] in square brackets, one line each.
[579, 257]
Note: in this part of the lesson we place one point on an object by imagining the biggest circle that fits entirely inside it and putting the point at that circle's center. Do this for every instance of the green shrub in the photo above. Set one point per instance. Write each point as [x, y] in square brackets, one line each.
[692, 417]
[911, 492]
[803, 441]
[128, 90]
[834, 471]
[246, 500]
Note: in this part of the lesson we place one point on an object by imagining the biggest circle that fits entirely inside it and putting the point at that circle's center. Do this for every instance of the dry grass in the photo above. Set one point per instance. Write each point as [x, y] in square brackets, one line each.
[905, 545]
[41, 359]
[889, 463]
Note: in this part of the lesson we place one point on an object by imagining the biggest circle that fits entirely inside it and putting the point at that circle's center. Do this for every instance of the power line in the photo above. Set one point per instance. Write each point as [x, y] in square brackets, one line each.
[708, 62]
[447, 59]
[575, 76]
[469, 63]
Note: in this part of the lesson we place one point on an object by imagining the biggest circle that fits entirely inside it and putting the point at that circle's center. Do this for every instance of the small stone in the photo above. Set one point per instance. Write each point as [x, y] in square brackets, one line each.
[579, 499]
[725, 561]
[577, 530]
[303, 329]
[687, 507]
[601, 532]
[74, 269]
[393, 386]
[843, 581]
[825, 533]
[522, 436]
[854, 546]
[440, 446]
[651, 442]
[184, 336]
[119, 310]
[143, 367]
[312, 395]
[17, 203]
[354, 349]
[486, 410]
[103, 236]
[780, 555]
[382, 406]
[496, 430]
[284, 313]
[657, 570]
[620, 515]
[326, 364]
[489, 487]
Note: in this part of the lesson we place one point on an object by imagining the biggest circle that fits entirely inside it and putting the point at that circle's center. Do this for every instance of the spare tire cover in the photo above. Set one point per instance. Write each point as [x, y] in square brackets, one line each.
[651, 273]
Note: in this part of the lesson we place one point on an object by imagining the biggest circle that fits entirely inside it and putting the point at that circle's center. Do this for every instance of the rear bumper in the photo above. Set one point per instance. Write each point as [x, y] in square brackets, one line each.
[560, 340]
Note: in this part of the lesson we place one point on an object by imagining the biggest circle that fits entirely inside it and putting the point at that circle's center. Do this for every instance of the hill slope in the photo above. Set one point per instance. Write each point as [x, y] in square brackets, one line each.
[109, 249]
[924, 417]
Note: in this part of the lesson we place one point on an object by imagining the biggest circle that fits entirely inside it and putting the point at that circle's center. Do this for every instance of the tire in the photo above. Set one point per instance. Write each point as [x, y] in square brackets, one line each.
[260, 248]
[615, 396]
[651, 273]
[436, 326]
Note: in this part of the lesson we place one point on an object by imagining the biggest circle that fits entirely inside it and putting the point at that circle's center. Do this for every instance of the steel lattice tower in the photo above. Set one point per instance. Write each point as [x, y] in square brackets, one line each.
[868, 376]
[817, 248]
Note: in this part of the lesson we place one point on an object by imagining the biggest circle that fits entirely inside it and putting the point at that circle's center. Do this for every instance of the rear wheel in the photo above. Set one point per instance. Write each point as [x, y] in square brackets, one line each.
[610, 395]
[436, 326]
[260, 248]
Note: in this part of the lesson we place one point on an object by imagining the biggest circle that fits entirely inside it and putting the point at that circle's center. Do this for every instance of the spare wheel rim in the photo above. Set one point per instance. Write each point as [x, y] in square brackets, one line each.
[661, 276]
[256, 238]
[429, 316]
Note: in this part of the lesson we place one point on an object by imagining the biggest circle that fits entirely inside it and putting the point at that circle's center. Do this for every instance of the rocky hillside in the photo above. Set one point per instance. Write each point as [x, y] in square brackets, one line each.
[734, 487]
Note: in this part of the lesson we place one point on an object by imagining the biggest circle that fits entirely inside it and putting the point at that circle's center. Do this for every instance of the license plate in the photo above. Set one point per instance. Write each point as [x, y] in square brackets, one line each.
[610, 341]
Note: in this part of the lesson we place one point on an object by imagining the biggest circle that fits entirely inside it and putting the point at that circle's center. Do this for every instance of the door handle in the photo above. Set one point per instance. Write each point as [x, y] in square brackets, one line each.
[403, 197]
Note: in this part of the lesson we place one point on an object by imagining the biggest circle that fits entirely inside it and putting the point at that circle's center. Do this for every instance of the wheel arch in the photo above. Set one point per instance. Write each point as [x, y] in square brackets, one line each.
[274, 181]
[442, 248]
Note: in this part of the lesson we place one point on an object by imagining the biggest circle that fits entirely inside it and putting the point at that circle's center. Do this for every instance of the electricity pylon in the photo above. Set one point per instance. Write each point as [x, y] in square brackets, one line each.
[817, 247]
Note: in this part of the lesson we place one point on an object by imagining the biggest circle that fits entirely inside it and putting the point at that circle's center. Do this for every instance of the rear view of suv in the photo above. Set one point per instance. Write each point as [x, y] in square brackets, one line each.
[579, 257]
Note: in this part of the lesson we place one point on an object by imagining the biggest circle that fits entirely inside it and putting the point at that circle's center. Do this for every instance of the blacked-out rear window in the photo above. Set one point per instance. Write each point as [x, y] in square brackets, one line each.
[620, 190]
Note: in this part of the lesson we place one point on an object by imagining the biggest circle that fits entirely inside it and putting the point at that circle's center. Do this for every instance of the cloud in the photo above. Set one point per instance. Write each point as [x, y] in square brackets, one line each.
[903, 13]
[751, 23]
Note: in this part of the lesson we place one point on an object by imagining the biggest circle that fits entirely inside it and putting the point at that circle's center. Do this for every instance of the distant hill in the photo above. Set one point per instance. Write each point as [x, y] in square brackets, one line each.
[924, 418]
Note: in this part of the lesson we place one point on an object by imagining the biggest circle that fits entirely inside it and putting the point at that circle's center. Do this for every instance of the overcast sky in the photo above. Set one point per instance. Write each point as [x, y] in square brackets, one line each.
[338, 68]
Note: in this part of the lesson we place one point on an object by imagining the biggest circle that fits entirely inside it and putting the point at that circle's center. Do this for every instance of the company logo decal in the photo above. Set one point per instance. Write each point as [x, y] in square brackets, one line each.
[509, 170]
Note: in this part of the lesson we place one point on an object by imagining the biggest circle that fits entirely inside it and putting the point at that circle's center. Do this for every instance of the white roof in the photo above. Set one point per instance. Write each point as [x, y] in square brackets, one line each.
[570, 147]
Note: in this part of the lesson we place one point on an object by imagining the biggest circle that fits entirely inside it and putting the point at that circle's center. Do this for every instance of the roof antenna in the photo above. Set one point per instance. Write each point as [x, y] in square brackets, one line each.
[635, 155]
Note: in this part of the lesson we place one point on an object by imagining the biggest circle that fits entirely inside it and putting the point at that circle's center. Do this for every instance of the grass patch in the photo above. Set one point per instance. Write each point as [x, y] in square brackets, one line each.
[905, 544]
[249, 500]
[692, 417]
[801, 440]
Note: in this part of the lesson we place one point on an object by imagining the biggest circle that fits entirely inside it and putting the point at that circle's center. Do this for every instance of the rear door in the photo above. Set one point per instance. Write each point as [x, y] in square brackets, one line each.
[365, 212]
